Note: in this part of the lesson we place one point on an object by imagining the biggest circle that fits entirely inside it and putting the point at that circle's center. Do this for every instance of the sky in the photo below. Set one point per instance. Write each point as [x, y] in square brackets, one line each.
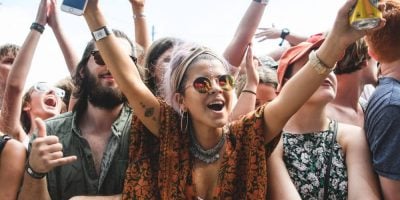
[209, 22]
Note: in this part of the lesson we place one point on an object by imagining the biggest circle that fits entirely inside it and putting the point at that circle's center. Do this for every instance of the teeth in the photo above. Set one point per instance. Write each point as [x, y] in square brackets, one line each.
[216, 102]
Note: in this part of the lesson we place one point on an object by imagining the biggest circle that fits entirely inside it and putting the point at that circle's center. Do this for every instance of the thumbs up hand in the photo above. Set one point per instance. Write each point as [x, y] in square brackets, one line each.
[46, 152]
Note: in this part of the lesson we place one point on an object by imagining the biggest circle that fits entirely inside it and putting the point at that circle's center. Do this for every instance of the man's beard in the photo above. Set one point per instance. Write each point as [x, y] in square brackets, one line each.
[104, 97]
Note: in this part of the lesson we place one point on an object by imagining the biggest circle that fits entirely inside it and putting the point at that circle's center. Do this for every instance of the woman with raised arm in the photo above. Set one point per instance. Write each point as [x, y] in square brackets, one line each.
[202, 155]
[41, 100]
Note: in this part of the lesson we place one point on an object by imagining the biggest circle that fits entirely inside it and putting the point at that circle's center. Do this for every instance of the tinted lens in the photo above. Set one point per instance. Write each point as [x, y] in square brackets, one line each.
[97, 58]
[59, 92]
[226, 82]
[41, 87]
[202, 84]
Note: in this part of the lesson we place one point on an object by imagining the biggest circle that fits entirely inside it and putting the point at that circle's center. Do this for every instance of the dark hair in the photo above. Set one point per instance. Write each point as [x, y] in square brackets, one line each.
[354, 58]
[154, 52]
[80, 78]
[25, 117]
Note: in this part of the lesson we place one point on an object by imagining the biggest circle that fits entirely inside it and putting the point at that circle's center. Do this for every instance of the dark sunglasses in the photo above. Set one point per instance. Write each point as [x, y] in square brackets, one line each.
[203, 84]
[99, 60]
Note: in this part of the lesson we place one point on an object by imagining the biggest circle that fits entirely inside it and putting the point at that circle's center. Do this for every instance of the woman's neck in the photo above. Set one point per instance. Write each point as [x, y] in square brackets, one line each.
[308, 119]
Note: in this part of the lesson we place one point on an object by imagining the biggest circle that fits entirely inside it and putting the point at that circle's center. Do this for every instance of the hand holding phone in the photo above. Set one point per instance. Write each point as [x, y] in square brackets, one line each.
[76, 7]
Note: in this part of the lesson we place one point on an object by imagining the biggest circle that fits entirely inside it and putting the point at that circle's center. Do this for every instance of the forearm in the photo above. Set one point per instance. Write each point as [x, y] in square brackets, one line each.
[247, 27]
[141, 29]
[70, 55]
[34, 189]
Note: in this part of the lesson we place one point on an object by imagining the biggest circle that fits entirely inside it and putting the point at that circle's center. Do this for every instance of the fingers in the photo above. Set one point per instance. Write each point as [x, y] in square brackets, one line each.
[62, 161]
[41, 127]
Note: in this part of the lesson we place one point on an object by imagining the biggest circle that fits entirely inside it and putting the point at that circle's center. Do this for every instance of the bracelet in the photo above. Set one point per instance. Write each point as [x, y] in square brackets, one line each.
[140, 15]
[37, 27]
[249, 91]
[318, 65]
[32, 173]
[264, 2]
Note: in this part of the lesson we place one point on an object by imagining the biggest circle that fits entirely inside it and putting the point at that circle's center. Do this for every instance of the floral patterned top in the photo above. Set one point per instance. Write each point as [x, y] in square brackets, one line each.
[243, 173]
[306, 157]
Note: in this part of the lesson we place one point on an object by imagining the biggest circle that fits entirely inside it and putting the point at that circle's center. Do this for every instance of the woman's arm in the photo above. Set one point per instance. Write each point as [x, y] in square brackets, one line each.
[145, 104]
[236, 49]
[70, 55]
[247, 99]
[302, 85]
[280, 185]
[12, 102]
[362, 180]
[12, 163]
[141, 30]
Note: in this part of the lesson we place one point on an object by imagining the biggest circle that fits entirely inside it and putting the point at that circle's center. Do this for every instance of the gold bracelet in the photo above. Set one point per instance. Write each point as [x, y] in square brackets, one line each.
[318, 65]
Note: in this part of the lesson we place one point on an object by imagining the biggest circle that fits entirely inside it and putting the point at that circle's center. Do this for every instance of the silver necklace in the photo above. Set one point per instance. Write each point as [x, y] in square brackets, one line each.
[207, 156]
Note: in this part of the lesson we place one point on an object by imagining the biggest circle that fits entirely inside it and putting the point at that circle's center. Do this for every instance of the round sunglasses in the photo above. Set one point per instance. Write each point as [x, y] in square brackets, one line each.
[43, 87]
[99, 60]
[204, 85]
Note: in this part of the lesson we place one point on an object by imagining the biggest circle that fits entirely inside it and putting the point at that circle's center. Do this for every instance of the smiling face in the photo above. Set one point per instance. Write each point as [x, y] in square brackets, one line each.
[210, 108]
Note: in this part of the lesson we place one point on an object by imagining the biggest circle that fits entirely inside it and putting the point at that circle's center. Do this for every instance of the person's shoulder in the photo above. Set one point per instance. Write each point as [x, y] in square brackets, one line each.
[14, 149]
[61, 117]
[348, 134]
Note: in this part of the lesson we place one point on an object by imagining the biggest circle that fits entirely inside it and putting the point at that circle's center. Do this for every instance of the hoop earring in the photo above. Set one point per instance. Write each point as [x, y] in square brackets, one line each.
[184, 125]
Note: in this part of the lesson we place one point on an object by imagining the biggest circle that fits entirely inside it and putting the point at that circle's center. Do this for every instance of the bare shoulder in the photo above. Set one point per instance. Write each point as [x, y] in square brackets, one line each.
[14, 150]
[349, 134]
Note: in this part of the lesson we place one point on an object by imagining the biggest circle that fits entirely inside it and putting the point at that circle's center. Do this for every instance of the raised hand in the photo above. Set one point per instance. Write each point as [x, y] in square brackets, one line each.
[42, 13]
[46, 152]
[268, 33]
[251, 67]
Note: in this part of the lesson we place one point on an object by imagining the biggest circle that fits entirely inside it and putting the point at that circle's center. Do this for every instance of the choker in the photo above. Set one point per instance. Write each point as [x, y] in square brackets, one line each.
[207, 156]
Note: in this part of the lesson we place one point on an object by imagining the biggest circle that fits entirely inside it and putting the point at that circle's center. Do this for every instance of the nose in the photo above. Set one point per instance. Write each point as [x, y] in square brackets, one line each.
[215, 87]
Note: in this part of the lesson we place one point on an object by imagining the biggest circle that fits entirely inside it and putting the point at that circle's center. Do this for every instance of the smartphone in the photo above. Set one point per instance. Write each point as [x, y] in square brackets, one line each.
[76, 7]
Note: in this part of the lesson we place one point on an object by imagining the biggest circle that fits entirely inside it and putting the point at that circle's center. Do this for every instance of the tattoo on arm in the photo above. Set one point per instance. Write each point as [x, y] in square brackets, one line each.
[148, 112]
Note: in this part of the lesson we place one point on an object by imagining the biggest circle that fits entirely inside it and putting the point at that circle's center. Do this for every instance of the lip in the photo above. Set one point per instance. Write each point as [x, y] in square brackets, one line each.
[51, 98]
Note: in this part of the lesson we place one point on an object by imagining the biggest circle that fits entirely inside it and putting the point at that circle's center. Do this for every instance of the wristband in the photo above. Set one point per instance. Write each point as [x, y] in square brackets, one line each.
[318, 65]
[265, 2]
[140, 15]
[101, 33]
[249, 91]
[32, 173]
[37, 27]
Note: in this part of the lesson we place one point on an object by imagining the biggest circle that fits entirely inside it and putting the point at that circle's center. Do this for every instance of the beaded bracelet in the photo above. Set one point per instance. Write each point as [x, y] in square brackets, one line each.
[249, 91]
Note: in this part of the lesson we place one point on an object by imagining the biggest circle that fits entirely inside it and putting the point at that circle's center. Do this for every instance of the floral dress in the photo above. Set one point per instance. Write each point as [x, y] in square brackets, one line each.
[306, 157]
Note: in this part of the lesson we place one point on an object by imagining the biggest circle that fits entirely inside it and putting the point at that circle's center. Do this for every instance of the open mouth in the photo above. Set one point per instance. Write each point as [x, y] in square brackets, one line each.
[50, 102]
[216, 105]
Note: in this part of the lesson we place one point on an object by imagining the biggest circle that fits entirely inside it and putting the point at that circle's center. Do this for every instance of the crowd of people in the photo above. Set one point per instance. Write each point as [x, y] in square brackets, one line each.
[173, 119]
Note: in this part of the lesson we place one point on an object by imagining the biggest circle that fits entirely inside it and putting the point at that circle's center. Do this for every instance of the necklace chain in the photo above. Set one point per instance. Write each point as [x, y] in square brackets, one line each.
[207, 156]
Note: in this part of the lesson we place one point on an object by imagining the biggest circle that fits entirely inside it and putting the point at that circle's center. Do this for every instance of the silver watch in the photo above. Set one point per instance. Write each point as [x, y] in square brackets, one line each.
[101, 33]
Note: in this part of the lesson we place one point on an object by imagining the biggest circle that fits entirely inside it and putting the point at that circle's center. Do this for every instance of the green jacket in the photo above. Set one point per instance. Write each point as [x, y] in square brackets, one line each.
[80, 177]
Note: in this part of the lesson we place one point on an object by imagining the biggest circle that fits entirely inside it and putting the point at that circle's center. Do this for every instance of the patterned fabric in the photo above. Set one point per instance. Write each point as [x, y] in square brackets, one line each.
[243, 173]
[306, 157]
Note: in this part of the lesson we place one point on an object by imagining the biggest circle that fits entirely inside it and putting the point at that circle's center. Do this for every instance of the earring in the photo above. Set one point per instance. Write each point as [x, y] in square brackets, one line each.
[184, 125]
